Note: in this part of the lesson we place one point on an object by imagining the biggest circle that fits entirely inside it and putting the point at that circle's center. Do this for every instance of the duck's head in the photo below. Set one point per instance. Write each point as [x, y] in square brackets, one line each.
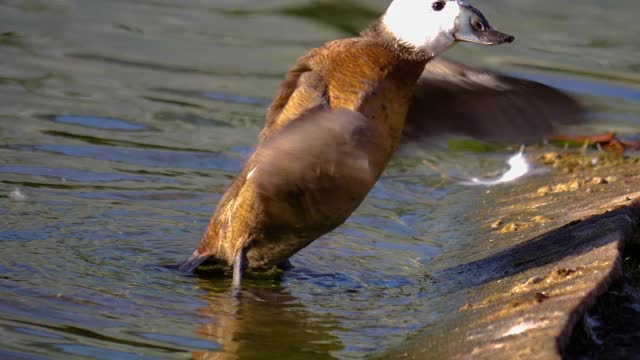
[433, 26]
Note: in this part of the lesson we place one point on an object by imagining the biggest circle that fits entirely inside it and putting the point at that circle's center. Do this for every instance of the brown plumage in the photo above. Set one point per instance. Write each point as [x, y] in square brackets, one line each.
[329, 134]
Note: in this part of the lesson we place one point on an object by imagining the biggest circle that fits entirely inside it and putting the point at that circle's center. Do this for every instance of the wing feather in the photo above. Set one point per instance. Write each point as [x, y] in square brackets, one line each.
[455, 98]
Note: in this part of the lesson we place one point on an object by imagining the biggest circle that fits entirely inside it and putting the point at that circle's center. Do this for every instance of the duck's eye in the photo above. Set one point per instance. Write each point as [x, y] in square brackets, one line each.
[438, 5]
[478, 25]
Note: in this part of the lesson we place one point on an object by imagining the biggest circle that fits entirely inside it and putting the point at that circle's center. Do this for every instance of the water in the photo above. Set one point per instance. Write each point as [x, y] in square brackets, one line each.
[123, 122]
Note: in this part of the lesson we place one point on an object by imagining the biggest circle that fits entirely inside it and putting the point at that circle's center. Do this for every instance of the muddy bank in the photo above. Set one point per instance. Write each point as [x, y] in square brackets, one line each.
[550, 247]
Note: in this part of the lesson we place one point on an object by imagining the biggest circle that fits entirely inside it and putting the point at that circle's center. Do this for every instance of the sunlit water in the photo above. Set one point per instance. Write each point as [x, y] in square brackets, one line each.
[122, 123]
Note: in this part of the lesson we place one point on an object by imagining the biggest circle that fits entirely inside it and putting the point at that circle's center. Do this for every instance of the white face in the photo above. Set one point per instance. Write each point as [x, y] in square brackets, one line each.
[425, 24]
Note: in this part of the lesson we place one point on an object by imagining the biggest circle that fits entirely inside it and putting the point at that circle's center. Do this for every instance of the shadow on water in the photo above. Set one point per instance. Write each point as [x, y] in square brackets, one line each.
[347, 16]
[11, 38]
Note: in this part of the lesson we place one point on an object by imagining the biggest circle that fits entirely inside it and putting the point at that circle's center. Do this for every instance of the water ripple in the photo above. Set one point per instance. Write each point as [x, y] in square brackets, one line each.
[83, 176]
[97, 122]
[152, 158]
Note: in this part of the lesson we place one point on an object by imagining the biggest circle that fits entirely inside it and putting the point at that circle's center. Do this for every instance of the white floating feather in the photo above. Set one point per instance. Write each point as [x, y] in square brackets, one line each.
[518, 167]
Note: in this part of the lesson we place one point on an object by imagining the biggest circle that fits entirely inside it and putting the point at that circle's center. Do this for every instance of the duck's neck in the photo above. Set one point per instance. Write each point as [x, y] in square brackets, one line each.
[378, 31]
[380, 89]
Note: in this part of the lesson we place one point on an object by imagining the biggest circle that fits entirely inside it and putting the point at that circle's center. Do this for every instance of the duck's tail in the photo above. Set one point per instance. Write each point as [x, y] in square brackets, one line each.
[193, 262]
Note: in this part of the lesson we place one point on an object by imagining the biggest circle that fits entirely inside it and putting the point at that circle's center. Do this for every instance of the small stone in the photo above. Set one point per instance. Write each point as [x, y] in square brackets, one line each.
[560, 188]
[550, 158]
[540, 297]
[575, 185]
[467, 307]
[611, 179]
[535, 280]
[513, 227]
[497, 224]
[544, 190]
[599, 181]
[565, 272]
[566, 187]
[540, 219]
[526, 286]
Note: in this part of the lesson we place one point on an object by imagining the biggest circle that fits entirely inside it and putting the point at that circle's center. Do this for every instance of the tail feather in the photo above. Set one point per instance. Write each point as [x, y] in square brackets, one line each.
[193, 262]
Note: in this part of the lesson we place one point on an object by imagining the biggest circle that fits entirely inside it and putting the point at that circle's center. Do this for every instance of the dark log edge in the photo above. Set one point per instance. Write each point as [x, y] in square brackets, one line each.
[632, 211]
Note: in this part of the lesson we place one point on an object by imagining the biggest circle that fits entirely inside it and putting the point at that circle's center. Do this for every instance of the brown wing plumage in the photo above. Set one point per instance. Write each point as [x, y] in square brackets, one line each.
[302, 182]
[308, 179]
[455, 98]
[303, 89]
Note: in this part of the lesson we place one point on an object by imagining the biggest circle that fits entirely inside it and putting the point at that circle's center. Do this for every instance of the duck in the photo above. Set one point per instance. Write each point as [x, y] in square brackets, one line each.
[339, 115]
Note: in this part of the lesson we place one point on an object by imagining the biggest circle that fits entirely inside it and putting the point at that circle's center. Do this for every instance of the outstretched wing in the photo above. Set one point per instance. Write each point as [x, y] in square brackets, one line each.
[455, 98]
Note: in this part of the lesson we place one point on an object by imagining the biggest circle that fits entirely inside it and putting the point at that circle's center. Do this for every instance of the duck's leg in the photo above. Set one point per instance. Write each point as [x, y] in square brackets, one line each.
[240, 263]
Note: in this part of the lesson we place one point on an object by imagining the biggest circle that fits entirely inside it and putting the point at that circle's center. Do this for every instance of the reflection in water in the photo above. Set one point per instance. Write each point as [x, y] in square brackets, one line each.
[262, 320]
